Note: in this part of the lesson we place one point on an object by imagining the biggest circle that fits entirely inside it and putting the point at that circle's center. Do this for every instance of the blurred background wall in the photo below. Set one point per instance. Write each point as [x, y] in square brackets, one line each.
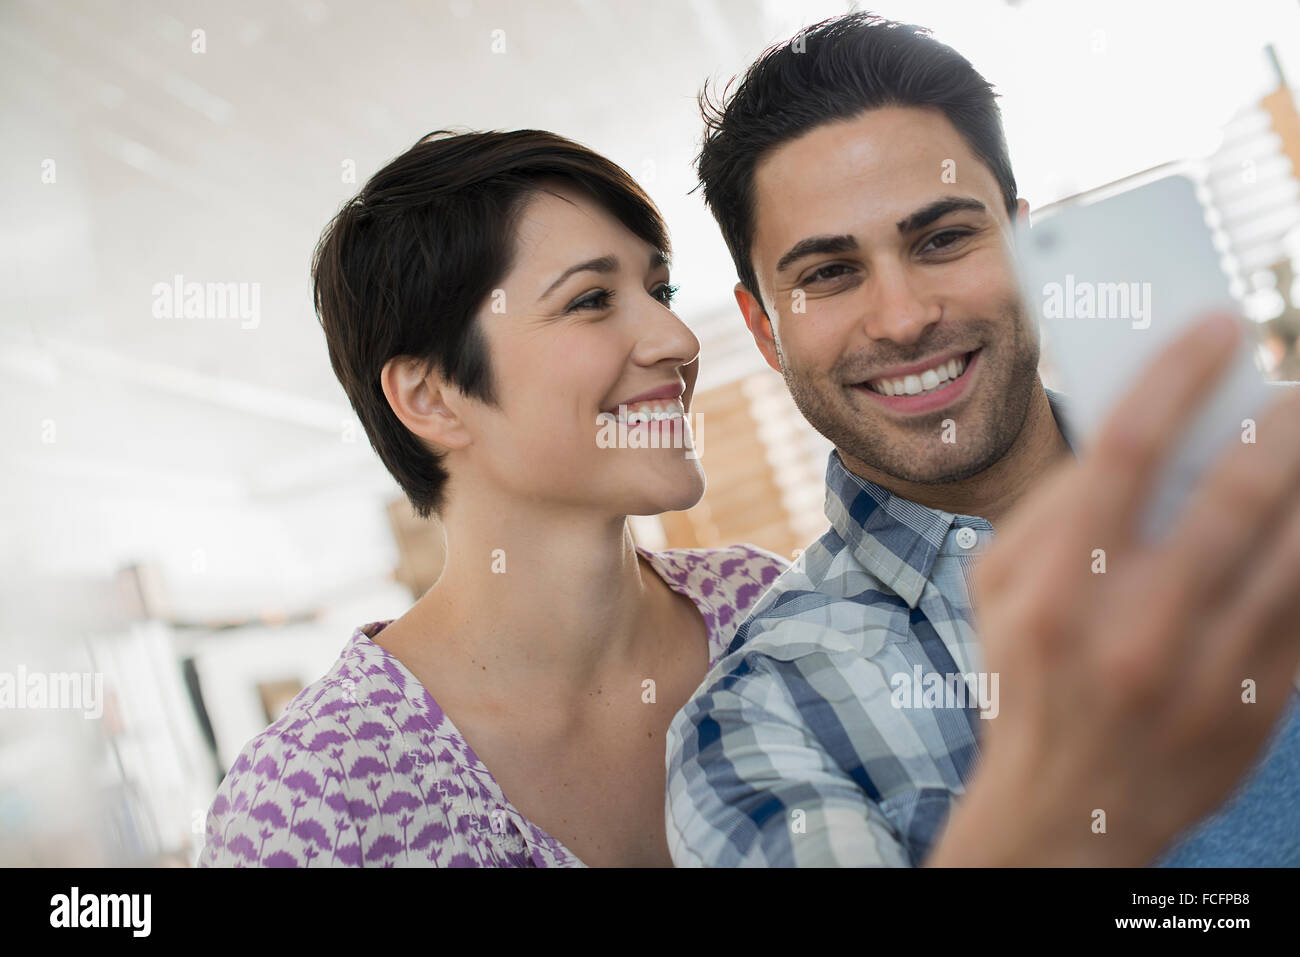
[189, 509]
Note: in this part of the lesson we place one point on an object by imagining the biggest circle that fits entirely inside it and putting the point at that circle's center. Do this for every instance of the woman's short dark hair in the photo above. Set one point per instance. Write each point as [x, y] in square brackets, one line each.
[405, 266]
[834, 70]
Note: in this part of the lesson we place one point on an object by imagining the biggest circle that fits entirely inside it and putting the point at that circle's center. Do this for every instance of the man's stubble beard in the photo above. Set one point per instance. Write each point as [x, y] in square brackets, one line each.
[986, 432]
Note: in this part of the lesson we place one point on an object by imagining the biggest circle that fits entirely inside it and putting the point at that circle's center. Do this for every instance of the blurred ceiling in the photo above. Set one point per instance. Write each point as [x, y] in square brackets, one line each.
[224, 165]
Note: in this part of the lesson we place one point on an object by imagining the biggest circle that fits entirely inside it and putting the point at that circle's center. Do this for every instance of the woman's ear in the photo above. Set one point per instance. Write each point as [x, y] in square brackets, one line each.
[424, 403]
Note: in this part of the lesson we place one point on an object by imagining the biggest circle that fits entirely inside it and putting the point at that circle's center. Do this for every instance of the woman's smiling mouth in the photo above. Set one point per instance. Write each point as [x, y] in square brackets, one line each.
[653, 410]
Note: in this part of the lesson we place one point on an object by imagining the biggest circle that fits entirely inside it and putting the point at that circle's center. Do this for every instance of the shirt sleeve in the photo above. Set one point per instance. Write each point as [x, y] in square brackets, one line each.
[749, 783]
[285, 810]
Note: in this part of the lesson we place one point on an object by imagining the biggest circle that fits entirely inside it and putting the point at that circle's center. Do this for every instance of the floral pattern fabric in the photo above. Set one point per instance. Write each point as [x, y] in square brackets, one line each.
[364, 769]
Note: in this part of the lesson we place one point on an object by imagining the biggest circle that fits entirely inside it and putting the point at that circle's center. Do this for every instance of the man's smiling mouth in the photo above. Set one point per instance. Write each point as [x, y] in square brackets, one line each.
[923, 381]
[924, 386]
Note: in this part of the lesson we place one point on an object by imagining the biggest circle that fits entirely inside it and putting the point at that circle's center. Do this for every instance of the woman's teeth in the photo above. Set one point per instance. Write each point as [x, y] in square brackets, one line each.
[923, 382]
[657, 410]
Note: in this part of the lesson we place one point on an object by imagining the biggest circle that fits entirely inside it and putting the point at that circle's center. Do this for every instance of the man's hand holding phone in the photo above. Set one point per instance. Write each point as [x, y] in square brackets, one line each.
[1126, 692]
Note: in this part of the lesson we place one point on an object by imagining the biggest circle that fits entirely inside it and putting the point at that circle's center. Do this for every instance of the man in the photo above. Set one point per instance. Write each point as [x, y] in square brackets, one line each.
[860, 178]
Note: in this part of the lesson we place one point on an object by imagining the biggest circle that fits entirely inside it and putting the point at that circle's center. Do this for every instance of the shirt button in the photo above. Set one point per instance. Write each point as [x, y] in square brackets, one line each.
[966, 537]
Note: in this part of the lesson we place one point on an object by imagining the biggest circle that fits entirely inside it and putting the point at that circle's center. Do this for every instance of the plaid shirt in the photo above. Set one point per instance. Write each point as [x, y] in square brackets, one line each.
[831, 734]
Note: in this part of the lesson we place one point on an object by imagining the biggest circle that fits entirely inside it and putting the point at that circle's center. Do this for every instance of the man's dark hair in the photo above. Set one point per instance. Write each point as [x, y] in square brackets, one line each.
[836, 70]
[405, 266]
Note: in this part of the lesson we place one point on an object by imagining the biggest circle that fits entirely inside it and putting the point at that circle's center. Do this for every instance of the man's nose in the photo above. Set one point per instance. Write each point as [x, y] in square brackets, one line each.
[894, 308]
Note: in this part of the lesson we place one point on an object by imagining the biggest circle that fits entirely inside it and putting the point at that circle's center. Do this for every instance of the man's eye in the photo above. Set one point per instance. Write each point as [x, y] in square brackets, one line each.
[952, 235]
[826, 273]
[599, 299]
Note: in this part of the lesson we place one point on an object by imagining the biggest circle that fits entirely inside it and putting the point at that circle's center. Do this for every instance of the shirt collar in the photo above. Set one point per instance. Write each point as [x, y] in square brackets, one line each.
[894, 538]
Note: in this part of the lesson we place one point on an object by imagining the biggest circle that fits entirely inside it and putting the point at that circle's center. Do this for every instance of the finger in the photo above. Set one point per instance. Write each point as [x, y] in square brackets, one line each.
[1140, 431]
[1216, 542]
[1257, 638]
[1094, 506]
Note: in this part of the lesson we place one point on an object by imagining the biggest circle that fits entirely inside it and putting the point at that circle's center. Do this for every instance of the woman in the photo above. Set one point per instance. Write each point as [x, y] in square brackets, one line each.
[496, 307]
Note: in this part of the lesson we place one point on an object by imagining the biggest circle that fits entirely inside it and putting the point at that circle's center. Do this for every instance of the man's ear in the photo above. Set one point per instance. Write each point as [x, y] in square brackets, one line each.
[759, 325]
[1022, 211]
[429, 407]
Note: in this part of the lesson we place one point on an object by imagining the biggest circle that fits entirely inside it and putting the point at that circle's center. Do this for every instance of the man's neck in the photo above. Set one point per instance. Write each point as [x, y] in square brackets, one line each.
[994, 492]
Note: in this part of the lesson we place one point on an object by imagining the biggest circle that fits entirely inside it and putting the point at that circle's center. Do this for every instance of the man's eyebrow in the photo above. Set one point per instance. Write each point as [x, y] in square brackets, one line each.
[603, 264]
[939, 208]
[816, 245]
[822, 245]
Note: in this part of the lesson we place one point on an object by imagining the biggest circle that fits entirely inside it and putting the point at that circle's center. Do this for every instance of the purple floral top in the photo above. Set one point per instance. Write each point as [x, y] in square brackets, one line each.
[364, 769]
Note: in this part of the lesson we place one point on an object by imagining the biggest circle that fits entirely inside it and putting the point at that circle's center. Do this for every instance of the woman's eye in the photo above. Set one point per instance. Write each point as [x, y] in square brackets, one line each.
[600, 299]
[603, 298]
[953, 236]
[666, 293]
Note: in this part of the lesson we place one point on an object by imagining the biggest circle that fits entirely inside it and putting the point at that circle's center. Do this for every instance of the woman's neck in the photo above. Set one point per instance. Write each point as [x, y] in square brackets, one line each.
[541, 603]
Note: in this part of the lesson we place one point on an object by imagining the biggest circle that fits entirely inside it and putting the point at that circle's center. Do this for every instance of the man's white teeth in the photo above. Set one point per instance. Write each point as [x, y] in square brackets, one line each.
[927, 381]
[653, 411]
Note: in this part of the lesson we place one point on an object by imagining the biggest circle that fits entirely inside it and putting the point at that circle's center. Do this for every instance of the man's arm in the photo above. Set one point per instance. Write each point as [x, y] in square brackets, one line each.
[1133, 700]
[749, 785]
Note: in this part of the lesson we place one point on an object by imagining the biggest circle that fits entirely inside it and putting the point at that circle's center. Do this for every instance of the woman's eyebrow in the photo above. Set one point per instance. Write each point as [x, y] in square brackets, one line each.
[603, 264]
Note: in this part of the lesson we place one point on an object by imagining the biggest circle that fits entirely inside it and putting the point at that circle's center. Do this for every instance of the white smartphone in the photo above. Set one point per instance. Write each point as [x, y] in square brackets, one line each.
[1112, 281]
